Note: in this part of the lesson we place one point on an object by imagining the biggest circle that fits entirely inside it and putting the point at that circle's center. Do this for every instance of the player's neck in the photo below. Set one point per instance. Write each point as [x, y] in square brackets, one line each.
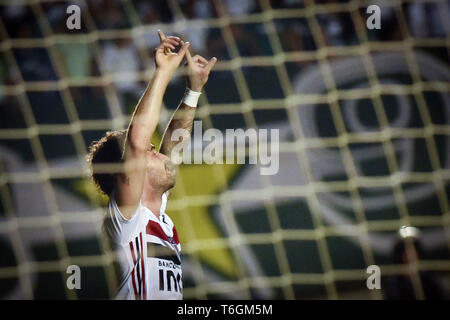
[152, 200]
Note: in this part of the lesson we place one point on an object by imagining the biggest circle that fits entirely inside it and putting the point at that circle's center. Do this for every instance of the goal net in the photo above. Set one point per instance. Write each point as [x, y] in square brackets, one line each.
[363, 116]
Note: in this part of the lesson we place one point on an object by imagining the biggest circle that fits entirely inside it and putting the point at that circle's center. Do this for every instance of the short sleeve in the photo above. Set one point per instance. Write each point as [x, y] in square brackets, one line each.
[118, 228]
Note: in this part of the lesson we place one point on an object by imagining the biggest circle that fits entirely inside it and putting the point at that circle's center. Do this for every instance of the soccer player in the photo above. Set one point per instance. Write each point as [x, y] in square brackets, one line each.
[127, 168]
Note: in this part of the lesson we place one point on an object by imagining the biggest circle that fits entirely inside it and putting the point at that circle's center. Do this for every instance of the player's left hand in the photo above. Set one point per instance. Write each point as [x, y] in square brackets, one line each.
[165, 59]
[198, 70]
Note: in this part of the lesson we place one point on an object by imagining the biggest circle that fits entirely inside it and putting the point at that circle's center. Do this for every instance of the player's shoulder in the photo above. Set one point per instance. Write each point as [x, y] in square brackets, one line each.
[114, 211]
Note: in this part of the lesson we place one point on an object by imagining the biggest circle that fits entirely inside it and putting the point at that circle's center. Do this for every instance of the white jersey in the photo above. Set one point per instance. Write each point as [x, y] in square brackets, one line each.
[148, 249]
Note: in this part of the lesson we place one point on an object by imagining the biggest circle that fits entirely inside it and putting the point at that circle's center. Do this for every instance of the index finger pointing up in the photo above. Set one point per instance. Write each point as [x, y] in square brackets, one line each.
[161, 35]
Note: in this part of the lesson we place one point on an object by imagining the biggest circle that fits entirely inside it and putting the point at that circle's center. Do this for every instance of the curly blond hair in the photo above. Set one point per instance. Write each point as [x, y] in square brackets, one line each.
[107, 150]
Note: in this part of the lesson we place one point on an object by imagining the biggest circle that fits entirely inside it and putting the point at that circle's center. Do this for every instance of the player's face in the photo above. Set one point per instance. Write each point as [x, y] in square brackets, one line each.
[410, 255]
[160, 170]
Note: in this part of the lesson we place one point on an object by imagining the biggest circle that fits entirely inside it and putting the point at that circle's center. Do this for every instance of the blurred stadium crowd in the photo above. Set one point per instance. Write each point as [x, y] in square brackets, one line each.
[104, 72]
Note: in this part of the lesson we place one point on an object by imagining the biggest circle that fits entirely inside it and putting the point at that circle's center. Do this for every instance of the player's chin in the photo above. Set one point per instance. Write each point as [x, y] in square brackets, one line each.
[171, 171]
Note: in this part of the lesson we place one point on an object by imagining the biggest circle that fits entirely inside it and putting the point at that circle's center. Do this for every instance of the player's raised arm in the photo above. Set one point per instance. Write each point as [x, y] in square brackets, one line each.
[129, 183]
[198, 69]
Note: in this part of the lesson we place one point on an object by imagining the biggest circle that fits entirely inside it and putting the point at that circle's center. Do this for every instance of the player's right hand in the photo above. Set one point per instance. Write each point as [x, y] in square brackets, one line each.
[165, 59]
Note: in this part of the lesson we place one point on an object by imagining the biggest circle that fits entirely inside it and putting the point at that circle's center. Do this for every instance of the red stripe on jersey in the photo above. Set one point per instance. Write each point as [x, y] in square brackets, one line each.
[153, 228]
[132, 271]
[142, 267]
